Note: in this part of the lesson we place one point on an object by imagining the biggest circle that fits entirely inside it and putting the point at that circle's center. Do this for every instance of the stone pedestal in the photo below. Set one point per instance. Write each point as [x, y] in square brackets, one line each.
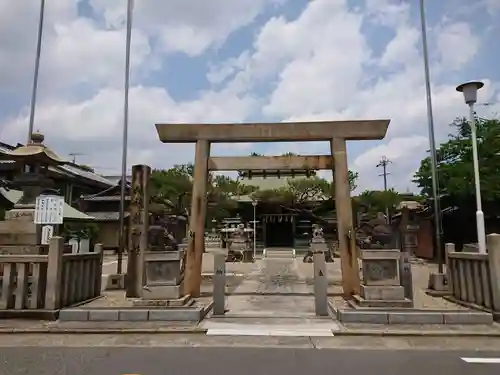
[163, 279]
[381, 284]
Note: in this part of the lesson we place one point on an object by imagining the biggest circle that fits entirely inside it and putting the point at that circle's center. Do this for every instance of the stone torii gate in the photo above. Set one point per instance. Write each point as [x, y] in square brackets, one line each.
[336, 132]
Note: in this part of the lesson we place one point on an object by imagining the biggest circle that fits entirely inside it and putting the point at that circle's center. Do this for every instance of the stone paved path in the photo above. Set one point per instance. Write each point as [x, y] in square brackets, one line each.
[273, 288]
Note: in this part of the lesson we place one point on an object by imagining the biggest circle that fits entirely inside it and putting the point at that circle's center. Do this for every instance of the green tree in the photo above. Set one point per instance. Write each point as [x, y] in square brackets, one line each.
[375, 201]
[300, 191]
[173, 188]
[455, 166]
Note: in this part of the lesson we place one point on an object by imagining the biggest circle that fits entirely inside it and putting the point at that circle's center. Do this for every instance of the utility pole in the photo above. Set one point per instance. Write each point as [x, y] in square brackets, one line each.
[37, 69]
[384, 162]
[74, 155]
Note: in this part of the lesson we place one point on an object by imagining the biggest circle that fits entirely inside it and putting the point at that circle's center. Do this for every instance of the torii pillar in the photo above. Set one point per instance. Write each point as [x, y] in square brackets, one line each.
[197, 218]
[345, 226]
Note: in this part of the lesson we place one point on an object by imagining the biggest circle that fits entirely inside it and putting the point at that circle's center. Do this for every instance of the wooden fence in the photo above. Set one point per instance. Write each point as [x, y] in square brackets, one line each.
[49, 282]
[474, 278]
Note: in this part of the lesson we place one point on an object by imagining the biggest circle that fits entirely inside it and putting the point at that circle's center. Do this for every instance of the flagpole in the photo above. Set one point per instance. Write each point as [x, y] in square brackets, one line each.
[432, 141]
[121, 247]
[37, 68]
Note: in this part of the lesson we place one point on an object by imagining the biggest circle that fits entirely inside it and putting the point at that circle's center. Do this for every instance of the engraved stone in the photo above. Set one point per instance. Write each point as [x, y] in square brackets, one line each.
[383, 271]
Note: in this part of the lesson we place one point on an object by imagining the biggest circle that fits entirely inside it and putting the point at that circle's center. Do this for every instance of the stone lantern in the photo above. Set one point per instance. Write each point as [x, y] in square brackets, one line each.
[32, 163]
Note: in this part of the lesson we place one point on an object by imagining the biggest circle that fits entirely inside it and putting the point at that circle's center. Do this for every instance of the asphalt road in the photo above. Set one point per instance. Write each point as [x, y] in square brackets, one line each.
[236, 361]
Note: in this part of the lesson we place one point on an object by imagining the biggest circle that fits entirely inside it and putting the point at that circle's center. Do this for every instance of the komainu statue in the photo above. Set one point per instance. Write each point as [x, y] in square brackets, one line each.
[376, 234]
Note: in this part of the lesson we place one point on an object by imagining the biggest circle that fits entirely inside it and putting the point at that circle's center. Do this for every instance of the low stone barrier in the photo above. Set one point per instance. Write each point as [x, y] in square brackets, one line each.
[474, 278]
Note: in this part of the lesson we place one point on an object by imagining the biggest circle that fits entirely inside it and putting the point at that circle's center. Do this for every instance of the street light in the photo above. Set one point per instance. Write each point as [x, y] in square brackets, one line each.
[254, 204]
[469, 89]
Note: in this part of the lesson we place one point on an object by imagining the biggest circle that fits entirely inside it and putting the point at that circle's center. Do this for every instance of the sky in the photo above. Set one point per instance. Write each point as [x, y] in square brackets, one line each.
[245, 61]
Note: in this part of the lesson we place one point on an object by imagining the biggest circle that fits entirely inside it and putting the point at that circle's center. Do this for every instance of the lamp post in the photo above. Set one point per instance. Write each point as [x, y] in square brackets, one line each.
[469, 89]
[254, 204]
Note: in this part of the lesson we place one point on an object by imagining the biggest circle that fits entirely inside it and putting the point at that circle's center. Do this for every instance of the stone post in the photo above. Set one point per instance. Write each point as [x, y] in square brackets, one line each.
[320, 284]
[409, 243]
[54, 273]
[449, 248]
[343, 208]
[138, 229]
[493, 245]
[98, 280]
[196, 239]
[219, 283]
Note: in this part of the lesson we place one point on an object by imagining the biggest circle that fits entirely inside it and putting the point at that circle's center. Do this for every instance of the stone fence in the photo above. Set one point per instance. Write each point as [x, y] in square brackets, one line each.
[31, 283]
[474, 278]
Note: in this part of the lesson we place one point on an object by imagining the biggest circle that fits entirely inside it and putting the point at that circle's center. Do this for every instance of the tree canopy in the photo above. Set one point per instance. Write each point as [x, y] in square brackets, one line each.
[375, 201]
[455, 165]
[298, 191]
[173, 187]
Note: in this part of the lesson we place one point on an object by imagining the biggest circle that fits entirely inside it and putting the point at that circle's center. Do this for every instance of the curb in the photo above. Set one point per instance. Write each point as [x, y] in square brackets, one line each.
[416, 333]
[102, 331]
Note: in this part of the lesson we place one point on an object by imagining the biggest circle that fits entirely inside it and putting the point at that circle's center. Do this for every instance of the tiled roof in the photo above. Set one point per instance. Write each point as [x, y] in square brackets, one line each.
[106, 198]
[106, 216]
[70, 169]
[117, 179]
[82, 172]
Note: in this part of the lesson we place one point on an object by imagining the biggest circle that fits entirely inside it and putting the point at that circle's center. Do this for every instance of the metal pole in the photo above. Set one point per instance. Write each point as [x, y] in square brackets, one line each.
[481, 232]
[432, 141]
[37, 69]
[254, 231]
[130, 7]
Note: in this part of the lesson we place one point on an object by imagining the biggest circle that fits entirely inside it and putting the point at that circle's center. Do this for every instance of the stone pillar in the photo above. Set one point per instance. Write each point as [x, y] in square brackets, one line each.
[138, 229]
[449, 248]
[345, 227]
[493, 245]
[409, 230]
[196, 239]
[320, 284]
[54, 273]
[219, 283]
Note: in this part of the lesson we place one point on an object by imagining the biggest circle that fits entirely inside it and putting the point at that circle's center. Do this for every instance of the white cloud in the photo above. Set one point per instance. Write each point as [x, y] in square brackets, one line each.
[189, 26]
[457, 45]
[320, 65]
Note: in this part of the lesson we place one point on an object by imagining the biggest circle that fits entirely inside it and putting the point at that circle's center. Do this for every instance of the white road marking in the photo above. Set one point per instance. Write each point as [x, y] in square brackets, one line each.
[480, 360]
[291, 330]
[109, 263]
[263, 331]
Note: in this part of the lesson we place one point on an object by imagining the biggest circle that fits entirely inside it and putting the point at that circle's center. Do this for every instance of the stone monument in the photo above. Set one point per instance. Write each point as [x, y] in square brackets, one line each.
[381, 281]
[159, 270]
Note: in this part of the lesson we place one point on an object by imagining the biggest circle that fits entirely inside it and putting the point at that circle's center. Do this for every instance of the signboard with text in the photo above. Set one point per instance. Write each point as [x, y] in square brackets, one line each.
[49, 209]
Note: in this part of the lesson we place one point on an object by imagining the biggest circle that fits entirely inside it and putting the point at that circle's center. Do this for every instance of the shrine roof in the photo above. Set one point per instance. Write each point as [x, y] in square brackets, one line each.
[67, 169]
[106, 216]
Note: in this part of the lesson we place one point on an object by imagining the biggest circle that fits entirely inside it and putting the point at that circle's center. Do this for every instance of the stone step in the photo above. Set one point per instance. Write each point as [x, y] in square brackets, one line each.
[282, 253]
